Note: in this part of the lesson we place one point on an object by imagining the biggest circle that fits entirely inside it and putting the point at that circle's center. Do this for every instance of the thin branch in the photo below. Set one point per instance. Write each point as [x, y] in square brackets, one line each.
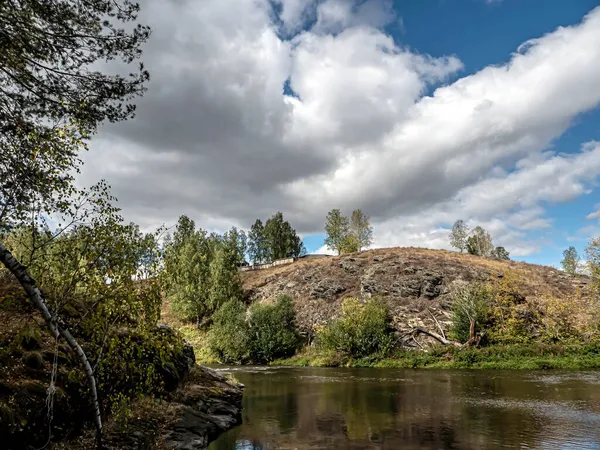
[437, 323]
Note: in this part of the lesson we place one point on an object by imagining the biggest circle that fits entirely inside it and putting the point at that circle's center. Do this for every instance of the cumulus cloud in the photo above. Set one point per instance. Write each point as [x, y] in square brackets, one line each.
[217, 138]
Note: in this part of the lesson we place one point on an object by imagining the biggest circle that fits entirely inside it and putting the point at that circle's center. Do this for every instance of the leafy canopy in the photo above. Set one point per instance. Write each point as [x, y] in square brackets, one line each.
[348, 235]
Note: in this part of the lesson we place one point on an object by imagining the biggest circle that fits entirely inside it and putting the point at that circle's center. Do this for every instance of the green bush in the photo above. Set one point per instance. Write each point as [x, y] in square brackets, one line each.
[229, 337]
[273, 330]
[362, 330]
[268, 332]
[470, 304]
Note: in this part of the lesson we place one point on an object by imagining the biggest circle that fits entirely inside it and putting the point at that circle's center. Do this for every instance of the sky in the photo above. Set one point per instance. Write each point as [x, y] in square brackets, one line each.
[418, 112]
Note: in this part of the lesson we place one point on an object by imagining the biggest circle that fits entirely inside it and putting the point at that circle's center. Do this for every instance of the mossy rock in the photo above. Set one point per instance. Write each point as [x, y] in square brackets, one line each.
[34, 388]
[33, 360]
[8, 420]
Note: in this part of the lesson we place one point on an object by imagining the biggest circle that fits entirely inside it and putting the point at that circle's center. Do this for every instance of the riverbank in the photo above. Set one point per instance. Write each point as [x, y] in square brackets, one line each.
[507, 357]
[186, 406]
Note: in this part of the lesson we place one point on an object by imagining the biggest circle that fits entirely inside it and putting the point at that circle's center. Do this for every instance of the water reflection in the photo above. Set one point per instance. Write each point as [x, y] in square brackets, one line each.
[394, 409]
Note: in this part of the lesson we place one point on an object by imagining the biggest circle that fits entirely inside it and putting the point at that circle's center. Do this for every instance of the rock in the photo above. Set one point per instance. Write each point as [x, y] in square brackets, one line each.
[408, 287]
[326, 289]
[348, 265]
[432, 285]
[209, 405]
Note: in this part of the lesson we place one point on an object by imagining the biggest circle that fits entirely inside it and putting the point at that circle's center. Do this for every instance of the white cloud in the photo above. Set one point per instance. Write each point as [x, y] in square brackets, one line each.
[595, 214]
[216, 138]
[323, 250]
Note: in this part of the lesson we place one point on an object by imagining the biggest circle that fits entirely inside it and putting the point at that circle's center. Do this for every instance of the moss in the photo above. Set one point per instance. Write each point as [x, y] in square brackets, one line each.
[33, 360]
[7, 417]
[34, 387]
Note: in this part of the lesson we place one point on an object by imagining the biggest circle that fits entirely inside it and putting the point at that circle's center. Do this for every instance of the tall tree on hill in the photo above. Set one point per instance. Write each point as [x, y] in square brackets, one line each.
[570, 261]
[458, 235]
[225, 282]
[337, 228]
[281, 240]
[256, 243]
[239, 242]
[186, 275]
[480, 243]
[54, 96]
[501, 253]
[361, 230]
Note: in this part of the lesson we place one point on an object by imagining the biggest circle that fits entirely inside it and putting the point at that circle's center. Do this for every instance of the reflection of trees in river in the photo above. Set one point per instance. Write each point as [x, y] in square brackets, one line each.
[355, 409]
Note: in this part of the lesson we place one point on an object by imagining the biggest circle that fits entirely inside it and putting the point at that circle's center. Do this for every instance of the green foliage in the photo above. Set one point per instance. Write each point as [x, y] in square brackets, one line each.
[257, 249]
[350, 244]
[480, 243]
[281, 240]
[470, 308]
[458, 235]
[501, 253]
[570, 260]
[229, 336]
[225, 283]
[360, 229]
[262, 334]
[54, 97]
[186, 274]
[273, 330]
[137, 362]
[348, 235]
[511, 317]
[363, 329]
[200, 271]
[336, 228]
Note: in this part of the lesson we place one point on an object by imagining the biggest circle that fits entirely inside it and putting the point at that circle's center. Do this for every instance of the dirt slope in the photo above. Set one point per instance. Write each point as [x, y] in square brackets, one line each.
[415, 282]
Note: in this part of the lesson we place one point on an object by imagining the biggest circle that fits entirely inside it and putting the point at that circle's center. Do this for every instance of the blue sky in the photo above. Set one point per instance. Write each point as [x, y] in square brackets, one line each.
[484, 33]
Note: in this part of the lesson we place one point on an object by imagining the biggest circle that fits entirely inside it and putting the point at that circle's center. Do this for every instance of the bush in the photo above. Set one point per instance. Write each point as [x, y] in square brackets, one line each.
[471, 304]
[273, 330]
[268, 332]
[229, 336]
[362, 330]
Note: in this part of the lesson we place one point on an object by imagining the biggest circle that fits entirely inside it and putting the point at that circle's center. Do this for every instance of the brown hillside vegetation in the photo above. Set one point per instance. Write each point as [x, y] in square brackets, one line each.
[416, 283]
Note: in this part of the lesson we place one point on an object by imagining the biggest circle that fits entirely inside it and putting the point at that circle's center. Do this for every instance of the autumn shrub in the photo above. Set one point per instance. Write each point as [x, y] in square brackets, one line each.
[362, 330]
[273, 330]
[570, 318]
[512, 318]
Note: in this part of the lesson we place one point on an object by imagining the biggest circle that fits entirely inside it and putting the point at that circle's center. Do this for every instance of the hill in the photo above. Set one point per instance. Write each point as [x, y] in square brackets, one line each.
[416, 283]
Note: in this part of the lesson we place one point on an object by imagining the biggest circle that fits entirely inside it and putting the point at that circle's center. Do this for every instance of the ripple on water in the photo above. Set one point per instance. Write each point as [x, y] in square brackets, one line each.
[565, 411]
[560, 378]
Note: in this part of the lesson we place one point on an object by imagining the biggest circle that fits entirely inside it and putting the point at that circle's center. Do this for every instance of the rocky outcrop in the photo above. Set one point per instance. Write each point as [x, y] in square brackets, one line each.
[206, 406]
[416, 283]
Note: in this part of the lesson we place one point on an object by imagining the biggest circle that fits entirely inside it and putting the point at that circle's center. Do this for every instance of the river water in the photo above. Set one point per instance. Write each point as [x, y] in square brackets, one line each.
[324, 408]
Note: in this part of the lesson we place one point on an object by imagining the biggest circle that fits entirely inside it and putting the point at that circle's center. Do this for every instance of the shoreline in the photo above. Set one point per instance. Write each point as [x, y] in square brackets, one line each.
[499, 357]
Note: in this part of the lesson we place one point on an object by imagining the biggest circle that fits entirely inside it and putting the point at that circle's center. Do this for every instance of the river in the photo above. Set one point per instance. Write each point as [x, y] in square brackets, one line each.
[325, 408]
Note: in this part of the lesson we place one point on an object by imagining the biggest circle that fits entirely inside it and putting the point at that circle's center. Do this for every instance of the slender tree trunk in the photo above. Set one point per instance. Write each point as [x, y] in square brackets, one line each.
[54, 324]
